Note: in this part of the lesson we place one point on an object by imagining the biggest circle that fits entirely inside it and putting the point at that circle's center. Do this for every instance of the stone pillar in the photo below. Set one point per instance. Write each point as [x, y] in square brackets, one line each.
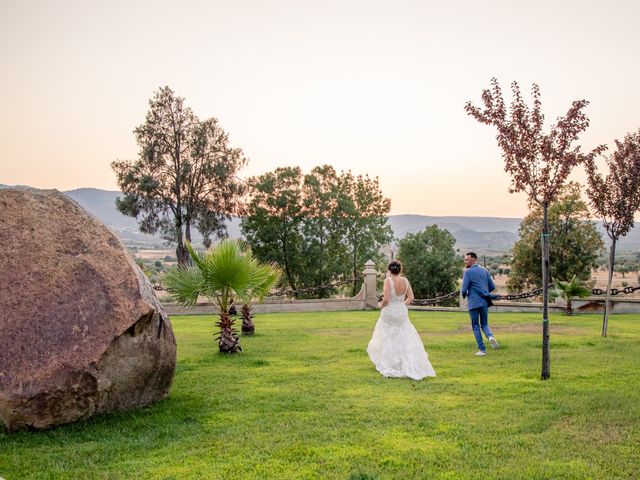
[370, 292]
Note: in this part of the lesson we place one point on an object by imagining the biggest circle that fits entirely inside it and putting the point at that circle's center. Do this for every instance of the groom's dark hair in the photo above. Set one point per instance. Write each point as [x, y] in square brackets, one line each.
[395, 266]
[472, 255]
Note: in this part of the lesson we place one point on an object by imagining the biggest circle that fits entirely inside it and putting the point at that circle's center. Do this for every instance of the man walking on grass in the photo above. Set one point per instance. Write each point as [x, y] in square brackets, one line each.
[476, 287]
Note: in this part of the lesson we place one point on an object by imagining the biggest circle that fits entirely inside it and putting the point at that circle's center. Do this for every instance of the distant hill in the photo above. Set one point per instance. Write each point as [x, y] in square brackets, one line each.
[403, 224]
[483, 234]
[102, 204]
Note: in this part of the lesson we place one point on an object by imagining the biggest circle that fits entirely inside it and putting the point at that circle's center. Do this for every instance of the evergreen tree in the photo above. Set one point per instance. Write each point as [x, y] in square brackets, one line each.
[185, 177]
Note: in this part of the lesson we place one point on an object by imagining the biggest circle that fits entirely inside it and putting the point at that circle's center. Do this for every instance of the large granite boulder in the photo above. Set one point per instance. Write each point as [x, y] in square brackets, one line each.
[81, 331]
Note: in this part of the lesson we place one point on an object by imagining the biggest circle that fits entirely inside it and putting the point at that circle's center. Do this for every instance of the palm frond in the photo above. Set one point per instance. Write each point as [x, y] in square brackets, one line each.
[264, 277]
[225, 272]
[573, 288]
[185, 285]
[227, 266]
[195, 256]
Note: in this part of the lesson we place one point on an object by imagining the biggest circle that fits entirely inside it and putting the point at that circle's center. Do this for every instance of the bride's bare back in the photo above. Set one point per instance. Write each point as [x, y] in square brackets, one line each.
[400, 284]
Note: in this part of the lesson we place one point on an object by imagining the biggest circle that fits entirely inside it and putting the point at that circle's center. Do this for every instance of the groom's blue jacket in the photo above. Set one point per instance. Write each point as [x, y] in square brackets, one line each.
[476, 286]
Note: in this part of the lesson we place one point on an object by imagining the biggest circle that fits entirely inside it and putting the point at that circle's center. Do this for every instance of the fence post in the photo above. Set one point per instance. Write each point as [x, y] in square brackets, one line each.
[370, 292]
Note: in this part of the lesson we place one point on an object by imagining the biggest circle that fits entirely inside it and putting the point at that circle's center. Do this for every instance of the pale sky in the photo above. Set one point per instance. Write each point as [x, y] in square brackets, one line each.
[371, 86]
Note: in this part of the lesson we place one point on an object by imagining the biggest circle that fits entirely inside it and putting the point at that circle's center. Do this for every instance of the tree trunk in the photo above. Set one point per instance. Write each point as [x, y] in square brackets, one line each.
[354, 290]
[292, 284]
[607, 301]
[546, 356]
[187, 229]
[182, 254]
[285, 260]
[228, 341]
[323, 292]
[248, 328]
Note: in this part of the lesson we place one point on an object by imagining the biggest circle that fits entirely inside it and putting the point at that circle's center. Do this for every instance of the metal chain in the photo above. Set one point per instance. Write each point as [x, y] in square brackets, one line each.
[614, 291]
[422, 302]
[316, 288]
[515, 296]
[435, 300]
[594, 291]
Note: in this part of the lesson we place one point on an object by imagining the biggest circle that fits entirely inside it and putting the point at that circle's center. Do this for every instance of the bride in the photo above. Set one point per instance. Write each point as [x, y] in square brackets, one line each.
[395, 347]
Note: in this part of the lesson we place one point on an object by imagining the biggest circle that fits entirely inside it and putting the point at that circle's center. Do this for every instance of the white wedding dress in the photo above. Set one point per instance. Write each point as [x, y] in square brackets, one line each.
[395, 347]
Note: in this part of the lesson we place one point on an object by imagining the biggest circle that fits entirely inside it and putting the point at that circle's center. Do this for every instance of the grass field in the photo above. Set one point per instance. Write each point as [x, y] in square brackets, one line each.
[304, 402]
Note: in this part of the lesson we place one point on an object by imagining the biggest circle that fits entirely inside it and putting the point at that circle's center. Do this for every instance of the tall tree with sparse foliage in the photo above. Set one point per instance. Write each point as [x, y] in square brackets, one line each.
[538, 163]
[185, 177]
[616, 199]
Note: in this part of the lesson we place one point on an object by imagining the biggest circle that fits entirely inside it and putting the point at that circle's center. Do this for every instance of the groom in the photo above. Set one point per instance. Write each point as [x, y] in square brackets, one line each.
[477, 285]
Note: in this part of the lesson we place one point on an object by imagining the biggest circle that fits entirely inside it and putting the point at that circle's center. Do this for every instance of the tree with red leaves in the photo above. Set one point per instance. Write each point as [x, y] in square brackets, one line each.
[539, 163]
[616, 199]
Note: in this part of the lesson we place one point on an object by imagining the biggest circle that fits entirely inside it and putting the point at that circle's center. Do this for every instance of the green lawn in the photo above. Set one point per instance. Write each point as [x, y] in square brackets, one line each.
[304, 402]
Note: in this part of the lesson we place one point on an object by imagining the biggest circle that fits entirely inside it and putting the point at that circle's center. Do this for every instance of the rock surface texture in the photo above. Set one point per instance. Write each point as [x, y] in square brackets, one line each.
[81, 331]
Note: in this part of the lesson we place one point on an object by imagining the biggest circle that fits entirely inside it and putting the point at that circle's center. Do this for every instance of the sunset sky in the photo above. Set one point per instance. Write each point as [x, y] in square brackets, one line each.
[374, 87]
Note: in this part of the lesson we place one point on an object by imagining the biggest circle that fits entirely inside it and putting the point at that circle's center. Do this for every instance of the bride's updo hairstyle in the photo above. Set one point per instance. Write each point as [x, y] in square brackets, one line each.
[395, 267]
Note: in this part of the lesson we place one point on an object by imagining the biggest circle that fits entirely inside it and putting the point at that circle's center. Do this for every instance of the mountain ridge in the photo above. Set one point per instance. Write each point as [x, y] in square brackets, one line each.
[482, 233]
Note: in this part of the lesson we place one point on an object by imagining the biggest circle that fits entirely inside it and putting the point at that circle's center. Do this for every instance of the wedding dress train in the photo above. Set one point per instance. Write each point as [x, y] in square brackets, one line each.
[395, 347]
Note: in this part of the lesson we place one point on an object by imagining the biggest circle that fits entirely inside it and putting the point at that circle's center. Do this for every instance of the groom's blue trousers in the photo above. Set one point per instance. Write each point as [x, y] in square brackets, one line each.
[480, 324]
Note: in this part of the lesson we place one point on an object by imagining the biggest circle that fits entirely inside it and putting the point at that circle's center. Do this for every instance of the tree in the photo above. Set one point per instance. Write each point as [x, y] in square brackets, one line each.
[185, 176]
[430, 261]
[539, 163]
[623, 270]
[570, 290]
[324, 252]
[362, 212]
[273, 221]
[224, 273]
[616, 198]
[318, 227]
[575, 248]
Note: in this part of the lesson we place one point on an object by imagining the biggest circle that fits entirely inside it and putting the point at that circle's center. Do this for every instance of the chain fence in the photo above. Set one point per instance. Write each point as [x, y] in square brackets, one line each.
[327, 286]
[430, 301]
[293, 292]
[423, 302]
[518, 296]
[614, 291]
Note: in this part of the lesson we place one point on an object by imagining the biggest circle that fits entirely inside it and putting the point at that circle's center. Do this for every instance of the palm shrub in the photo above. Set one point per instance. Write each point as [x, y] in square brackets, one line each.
[248, 328]
[227, 272]
[570, 290]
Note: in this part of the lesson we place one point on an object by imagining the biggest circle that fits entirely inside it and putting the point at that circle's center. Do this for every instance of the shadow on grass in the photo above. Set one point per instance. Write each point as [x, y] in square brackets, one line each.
[119, 433]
